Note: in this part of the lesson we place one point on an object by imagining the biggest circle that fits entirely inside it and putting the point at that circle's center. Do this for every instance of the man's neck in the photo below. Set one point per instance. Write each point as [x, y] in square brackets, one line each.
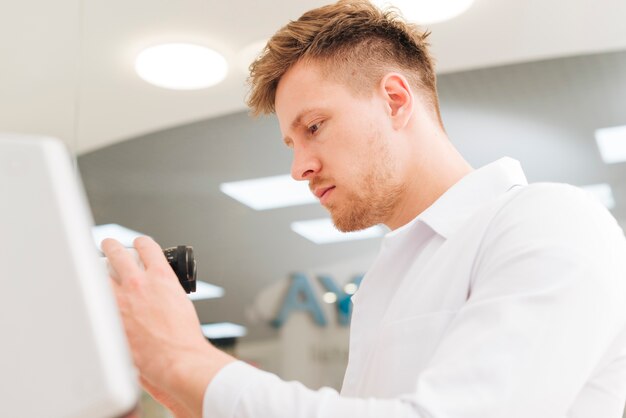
[430, 179]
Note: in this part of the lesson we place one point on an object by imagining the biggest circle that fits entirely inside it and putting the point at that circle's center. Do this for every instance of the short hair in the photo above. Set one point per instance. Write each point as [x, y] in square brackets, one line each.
[354, 41]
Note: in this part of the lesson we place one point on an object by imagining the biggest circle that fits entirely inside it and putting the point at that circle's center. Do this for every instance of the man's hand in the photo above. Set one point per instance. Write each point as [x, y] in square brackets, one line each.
[175, 361]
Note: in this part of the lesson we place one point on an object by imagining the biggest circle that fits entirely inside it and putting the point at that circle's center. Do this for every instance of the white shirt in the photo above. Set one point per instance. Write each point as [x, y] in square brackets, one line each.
[499, 300]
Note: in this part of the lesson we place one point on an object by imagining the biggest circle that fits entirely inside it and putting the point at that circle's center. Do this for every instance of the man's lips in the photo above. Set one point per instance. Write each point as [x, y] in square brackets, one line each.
[321, 191]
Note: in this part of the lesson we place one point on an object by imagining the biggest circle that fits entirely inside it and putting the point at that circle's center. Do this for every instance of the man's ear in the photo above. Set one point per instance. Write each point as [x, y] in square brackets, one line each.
[399, 97]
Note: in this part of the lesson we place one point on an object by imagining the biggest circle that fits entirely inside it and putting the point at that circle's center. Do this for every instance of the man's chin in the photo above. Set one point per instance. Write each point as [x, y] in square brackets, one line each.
[345, 224]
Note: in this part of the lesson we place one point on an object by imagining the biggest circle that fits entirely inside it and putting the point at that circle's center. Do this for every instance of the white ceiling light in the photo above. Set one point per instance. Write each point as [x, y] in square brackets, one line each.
[350, 288]
[322, 231]
[181, 66]
[205, 290]
[269, 192]
[427, 11]
[329, 297]
[122, 234]
[601, 192]
[223, 330]
[612, 144]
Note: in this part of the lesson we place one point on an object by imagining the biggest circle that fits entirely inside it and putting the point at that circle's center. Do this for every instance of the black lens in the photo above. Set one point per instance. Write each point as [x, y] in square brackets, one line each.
[183, 263]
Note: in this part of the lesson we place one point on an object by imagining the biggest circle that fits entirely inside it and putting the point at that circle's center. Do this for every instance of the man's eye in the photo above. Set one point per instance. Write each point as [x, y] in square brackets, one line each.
[314, 128]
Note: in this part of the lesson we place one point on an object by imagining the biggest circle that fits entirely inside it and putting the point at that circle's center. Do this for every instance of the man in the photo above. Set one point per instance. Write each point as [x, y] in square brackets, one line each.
[489, 298]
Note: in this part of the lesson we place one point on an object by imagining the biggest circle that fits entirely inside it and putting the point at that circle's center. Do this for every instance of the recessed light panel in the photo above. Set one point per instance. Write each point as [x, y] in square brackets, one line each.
[223, 330]
[124, 235]
[427, 11]
[269, 192]
[205, 290]
[612, 144]
[322, 231]
[181, 66]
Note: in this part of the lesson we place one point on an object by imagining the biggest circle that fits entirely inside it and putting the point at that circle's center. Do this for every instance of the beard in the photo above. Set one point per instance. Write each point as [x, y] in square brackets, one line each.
[370, 202]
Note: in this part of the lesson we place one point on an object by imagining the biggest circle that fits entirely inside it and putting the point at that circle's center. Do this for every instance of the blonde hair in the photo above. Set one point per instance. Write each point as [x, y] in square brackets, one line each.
[352, 40]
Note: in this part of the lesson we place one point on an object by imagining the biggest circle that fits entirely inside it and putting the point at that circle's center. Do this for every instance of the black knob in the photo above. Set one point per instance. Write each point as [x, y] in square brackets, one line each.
[183, 263]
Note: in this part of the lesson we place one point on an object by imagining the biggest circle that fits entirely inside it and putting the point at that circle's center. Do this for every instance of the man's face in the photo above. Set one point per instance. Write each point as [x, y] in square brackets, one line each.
[341, 145]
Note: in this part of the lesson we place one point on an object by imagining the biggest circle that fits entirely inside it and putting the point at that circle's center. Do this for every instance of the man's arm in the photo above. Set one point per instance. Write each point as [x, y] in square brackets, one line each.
[177, 364]
[175, 361]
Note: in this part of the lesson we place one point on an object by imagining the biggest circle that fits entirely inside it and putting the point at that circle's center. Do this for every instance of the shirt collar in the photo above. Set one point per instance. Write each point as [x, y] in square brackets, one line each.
[453, 208]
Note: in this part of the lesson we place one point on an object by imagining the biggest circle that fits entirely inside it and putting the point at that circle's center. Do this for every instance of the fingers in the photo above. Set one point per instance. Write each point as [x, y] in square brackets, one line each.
[120, 260]
[120, 296]
[150, 253]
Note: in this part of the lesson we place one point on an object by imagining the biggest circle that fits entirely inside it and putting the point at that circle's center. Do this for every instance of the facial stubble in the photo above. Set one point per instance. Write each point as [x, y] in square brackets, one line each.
[376, 197]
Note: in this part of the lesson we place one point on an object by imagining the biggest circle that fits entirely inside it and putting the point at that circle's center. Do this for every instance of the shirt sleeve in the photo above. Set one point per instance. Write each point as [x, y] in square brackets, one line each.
[547, 299]
[240, 390]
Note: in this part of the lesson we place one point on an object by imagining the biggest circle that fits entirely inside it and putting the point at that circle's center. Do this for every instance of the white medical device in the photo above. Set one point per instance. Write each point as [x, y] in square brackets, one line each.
[63, 352]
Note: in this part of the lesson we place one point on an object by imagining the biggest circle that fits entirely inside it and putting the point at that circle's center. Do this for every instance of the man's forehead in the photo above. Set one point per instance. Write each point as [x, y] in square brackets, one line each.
[297, 93]
[295, 81]
[302, 89]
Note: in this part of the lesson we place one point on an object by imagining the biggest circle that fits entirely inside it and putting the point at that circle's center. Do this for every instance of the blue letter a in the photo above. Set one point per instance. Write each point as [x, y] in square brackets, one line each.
[301, 297]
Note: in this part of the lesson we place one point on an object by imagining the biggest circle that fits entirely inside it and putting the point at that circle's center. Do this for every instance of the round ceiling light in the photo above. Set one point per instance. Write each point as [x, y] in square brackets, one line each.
[181, 66]
[427, 11]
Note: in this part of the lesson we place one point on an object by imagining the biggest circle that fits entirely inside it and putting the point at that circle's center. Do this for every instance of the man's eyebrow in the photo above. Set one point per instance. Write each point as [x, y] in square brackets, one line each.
[298, 121]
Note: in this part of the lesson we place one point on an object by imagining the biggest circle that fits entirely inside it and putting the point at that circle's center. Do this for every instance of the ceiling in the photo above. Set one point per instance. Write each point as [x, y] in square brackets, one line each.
[67, 65]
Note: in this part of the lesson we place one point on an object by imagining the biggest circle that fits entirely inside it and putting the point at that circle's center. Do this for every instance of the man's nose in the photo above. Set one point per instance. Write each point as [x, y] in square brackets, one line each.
[304, 165]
